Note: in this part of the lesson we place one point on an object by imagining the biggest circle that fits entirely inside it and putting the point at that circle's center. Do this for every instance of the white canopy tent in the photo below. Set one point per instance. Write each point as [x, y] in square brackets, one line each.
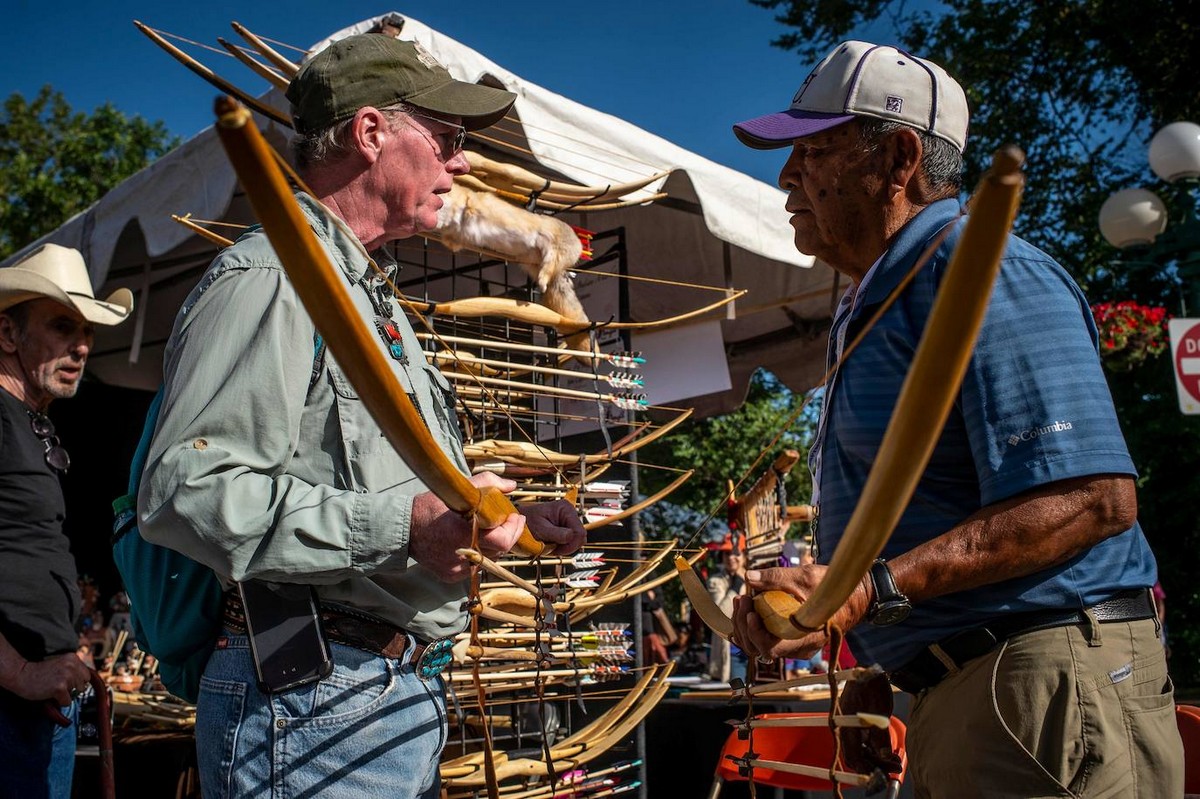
[716, 227]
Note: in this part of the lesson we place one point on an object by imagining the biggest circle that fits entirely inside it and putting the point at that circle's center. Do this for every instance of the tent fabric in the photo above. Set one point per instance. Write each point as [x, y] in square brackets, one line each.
[718, 227]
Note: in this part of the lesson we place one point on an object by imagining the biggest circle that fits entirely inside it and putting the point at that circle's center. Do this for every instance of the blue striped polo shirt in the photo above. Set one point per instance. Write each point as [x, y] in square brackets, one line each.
[1034, 408]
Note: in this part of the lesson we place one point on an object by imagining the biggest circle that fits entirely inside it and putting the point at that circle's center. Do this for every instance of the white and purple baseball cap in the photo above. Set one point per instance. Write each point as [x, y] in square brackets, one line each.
[864, 79]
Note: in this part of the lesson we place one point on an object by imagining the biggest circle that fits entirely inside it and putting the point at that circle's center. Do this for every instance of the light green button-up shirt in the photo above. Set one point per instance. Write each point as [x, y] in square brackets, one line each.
[259, 469]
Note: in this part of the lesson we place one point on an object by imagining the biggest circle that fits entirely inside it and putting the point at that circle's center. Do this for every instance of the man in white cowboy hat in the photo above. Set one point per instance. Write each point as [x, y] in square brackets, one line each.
[1013, 597]
[47, 317]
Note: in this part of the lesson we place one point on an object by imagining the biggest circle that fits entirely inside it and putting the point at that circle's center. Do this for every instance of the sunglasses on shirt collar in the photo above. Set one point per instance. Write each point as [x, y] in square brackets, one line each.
[56, 456]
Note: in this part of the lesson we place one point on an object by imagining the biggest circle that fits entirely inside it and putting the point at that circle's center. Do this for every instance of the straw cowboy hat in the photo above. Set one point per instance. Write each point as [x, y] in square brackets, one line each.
[60, 274]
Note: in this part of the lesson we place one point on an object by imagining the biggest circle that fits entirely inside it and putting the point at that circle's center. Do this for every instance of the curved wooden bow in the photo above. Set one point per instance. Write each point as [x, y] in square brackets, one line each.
[527, 454]
[284, 65]
[516, 179]
[523, 199]
[640, 506]
[590, 742]
[195, 66]
[535, 314]
[921, 411]
[327, 301]
[520, 606]
[256, 66]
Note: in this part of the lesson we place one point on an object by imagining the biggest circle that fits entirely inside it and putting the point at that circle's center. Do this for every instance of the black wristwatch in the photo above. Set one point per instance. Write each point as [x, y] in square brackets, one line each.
[889, 605]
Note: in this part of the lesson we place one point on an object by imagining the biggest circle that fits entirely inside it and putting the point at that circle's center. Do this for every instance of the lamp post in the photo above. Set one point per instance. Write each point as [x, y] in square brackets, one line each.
[1136, 220]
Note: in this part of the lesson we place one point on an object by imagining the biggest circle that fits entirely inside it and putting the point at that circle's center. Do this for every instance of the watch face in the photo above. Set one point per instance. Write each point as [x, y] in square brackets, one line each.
[891, 613]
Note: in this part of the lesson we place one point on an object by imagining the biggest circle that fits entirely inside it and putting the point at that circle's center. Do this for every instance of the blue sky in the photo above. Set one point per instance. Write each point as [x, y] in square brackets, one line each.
[683, 70]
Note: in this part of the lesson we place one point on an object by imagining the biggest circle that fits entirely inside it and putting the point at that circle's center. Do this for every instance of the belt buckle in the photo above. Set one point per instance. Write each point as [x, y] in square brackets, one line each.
[436, 657]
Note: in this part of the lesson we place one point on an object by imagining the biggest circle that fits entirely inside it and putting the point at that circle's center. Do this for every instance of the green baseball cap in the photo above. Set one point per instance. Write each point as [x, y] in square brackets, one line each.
[373, 69]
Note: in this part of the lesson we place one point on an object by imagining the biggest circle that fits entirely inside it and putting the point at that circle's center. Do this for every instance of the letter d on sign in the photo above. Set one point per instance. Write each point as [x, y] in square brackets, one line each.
[1185, 353]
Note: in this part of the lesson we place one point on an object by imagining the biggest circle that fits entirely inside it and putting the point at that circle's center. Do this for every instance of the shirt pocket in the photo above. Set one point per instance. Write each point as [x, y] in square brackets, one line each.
[442, 401]
[369, 461]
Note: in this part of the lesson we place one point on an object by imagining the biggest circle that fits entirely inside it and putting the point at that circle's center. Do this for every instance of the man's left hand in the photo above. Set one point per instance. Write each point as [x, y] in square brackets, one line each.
[750, 633]
[555, 523]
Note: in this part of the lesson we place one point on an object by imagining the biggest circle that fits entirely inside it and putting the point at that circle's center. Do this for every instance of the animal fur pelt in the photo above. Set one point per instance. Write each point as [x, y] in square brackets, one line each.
[545, 247]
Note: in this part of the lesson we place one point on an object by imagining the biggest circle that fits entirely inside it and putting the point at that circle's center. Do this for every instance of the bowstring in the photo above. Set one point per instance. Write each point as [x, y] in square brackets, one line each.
[832, 632]
[475, 608]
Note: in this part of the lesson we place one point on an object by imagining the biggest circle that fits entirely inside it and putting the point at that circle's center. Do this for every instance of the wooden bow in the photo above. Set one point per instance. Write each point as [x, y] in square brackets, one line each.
[527, 605]
[322, 290]
[534, 314]
[921, 411]
[590, 742]
[527, 454]
[285, 66]
[216, 80]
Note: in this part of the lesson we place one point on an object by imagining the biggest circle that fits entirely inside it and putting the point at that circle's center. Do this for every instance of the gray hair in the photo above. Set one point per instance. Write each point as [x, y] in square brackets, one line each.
[331, 144]
[941, 163]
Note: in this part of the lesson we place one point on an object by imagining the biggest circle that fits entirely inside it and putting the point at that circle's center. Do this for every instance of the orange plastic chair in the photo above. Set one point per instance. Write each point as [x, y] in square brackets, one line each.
[810, 746]
[1188, 719]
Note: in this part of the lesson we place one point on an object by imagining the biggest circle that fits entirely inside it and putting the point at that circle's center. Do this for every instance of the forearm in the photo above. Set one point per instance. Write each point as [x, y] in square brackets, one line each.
[1019, 536]
[244, 525]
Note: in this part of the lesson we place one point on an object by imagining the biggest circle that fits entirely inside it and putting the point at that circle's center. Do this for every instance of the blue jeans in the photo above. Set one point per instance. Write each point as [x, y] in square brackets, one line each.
[38, 755]
[372, 728]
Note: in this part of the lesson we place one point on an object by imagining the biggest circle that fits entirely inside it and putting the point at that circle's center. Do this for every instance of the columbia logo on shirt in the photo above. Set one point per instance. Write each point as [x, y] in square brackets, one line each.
[1038, 432]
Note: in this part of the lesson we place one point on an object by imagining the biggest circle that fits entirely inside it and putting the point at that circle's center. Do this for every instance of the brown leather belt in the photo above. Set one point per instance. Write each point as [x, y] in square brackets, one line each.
[927, 669]
[361, 630]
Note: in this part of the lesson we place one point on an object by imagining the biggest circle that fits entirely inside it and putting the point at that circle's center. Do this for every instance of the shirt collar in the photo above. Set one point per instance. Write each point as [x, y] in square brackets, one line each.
[348, 252]
[909, 243]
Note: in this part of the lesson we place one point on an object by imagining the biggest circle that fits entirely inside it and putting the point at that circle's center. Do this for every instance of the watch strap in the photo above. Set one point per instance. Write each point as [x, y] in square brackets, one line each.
[884, 583]
[889, 606]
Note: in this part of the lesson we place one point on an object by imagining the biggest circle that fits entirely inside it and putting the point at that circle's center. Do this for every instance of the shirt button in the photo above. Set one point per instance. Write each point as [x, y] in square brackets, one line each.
[280, 724]
[200, 443]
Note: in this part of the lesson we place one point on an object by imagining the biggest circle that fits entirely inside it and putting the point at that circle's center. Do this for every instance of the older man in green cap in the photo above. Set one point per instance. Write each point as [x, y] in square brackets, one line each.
[267, 467]
[48, 316]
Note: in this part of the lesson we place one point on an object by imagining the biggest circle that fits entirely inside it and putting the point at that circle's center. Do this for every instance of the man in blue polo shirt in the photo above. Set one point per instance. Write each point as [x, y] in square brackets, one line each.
[1013, 596]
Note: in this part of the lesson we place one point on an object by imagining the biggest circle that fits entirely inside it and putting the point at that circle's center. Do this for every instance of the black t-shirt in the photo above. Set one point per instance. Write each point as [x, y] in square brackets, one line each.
[39, 595]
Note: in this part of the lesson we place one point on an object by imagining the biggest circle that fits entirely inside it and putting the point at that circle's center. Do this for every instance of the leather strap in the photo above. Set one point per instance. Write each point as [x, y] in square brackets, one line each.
[926, 669]
[342, 625]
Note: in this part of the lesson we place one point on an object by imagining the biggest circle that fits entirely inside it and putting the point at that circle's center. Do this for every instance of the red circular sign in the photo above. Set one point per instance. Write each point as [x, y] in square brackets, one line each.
[1187, 361]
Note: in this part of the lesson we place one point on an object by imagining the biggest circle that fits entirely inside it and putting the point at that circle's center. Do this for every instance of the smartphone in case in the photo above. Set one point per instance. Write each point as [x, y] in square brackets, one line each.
[283, 623]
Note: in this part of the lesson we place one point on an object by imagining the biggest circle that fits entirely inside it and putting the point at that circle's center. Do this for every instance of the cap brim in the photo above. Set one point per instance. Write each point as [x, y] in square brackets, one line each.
[478, 106]
[773, 131]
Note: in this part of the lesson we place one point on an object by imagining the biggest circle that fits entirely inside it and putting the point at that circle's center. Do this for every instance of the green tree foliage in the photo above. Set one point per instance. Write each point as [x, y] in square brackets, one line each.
[1080, 85]
[724, 448]
[55, 162]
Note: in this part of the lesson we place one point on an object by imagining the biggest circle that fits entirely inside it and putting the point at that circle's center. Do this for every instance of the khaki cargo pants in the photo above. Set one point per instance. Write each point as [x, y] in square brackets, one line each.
[1080, 711]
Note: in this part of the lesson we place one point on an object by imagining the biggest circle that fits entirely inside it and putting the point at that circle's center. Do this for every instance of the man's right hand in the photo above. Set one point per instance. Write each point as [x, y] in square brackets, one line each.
[436, 532]
[60, 678]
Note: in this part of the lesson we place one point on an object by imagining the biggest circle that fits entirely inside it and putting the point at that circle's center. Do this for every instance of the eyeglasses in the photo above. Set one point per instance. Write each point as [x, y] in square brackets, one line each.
[56, 457]
[456, 145]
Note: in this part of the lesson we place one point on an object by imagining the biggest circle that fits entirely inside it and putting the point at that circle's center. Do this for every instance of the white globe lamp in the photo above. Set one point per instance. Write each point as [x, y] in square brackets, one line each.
[1175, 151]
[1132, 218]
